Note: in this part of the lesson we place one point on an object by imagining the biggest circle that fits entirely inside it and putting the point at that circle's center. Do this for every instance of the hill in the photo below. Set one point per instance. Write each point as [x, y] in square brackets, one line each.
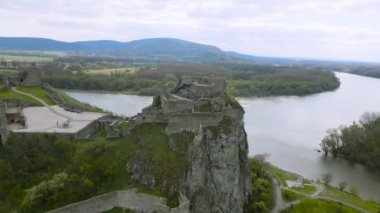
[158, 49]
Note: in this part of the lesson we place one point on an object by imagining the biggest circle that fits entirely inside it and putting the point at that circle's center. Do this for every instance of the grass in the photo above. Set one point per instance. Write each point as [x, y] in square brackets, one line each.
[307, 189]
[123, 126]
[39, 92]
[290, 196]
[26, 58]
[350, 198]
[283, 175]
[75, 103]
[9, 94]
[318, 206]
[109, 71]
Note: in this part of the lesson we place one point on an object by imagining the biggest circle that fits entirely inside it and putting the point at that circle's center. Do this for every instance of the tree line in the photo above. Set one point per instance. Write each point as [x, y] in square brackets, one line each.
[243, 79]
[359, 142]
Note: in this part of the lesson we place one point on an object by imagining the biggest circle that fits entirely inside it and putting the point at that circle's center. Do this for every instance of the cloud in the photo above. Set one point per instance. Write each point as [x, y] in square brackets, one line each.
[342, 29]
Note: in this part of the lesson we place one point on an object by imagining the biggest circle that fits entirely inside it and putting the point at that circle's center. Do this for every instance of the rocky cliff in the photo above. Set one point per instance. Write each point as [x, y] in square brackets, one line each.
[206, 156]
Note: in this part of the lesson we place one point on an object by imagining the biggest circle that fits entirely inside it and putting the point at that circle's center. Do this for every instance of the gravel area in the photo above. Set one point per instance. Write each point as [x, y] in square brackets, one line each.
[43, 119]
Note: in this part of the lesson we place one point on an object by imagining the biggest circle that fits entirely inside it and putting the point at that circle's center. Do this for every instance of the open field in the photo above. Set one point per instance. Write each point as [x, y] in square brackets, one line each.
[38, 92]
[9, 94]
[130, 70]
[350, 198]
[26, 58]
[283, 175]
[322, 199]
[317, 206]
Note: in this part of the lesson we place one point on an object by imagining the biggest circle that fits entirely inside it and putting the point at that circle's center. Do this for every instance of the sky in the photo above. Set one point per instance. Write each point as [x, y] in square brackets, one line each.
[322, 29]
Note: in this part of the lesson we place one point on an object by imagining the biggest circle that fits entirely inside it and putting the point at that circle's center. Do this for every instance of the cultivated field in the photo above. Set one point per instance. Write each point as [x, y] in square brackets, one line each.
[26, 58]
[109, 71]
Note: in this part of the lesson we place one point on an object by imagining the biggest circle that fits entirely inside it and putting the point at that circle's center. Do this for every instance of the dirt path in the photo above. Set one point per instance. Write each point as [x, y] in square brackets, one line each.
[14, 89]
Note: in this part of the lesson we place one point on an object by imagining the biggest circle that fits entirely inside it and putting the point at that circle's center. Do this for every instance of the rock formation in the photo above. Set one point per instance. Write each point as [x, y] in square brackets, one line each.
[206, 125]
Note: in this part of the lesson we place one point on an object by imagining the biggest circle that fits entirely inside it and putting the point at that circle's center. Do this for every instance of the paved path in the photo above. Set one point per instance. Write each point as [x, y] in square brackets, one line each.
[129, 199]
[43, 103]
[279, 201]
[316, 195]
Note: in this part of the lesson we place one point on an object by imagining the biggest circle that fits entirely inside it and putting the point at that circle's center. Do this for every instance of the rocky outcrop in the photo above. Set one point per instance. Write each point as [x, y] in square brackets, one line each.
[205, 126]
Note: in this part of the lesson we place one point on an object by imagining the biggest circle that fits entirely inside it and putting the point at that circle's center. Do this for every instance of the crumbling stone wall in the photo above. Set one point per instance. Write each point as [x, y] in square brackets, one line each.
[217, 178]
[32, 78]
[3, 124]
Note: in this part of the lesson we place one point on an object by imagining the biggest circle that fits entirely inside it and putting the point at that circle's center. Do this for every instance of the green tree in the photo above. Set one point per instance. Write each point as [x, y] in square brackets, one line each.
[354, 190]
[327, 178]
[342, 185]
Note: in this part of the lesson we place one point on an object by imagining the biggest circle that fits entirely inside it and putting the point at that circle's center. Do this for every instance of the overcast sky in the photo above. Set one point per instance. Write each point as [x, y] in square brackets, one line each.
[332, 29]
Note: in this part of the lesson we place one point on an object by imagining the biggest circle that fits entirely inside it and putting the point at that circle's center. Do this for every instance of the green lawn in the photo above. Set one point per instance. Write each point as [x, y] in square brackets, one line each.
[350, 198]
[318, 206]
[307, 189]
[109, 71]
[9, 94]
[283, 175]
[290, 196]
[26, 58]
[38, 92]
[75, 103]
[123, 127]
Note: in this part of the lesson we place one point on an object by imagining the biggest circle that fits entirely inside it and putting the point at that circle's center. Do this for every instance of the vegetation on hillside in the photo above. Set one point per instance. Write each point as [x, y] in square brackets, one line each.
[39, 92]
[364, 70]
[243, 80]
[262, 199]
[317, 206]
[10, 94]
[38, 173]
[359, 142]
[41, 172]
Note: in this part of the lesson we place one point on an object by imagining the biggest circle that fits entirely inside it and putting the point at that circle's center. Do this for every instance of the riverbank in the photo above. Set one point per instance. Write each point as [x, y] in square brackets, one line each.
[290, 128]
[293, 192]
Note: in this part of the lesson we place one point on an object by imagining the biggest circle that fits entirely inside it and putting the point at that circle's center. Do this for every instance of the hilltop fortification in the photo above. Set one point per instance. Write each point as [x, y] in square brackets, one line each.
[204, 127]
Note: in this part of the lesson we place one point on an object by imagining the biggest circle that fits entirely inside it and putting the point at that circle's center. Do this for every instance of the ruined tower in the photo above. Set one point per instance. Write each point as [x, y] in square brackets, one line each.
[3, 124]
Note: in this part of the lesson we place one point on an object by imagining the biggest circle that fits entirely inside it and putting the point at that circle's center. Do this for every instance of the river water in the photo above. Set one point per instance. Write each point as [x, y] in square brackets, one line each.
[290, 129]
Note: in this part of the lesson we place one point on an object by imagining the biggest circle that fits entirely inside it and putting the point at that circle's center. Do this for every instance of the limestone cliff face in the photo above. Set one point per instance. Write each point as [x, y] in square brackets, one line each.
[206, 131]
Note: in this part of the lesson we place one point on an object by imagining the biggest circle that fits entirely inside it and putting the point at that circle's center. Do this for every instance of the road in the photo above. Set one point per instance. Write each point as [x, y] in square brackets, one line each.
[281, 204]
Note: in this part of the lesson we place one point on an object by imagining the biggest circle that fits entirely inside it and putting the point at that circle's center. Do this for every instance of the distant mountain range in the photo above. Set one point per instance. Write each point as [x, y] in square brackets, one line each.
[154, 49]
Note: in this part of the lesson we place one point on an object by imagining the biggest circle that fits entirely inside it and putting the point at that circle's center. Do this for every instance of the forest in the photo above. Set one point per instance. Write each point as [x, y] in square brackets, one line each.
[359, 142]
[244, 80]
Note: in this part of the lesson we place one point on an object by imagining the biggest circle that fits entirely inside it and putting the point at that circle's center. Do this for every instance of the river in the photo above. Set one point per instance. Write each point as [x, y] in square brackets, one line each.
[289, 129]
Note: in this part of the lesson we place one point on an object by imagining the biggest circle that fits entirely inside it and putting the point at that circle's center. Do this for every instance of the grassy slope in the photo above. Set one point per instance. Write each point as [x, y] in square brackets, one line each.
[25, 58]
[109, 71]
[350, 198]
[9, 94]
[38, 92]
[29, 168]
[318, 206]
[330, 192]
[75, 103]
[283, 175]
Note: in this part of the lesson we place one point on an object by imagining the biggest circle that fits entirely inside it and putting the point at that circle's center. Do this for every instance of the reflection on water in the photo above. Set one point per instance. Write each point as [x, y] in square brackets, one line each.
[291, 128]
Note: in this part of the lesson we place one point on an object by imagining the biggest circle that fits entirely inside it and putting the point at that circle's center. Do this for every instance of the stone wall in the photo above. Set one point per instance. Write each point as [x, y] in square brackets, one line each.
[2, 87]
[89, 130]
[3, 124]
[195, 87]
[192, 121]
[128, 199]
[32, 78]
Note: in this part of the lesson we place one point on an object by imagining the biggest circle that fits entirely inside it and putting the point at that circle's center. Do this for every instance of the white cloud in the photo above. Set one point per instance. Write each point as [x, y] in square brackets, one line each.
[345, 29]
